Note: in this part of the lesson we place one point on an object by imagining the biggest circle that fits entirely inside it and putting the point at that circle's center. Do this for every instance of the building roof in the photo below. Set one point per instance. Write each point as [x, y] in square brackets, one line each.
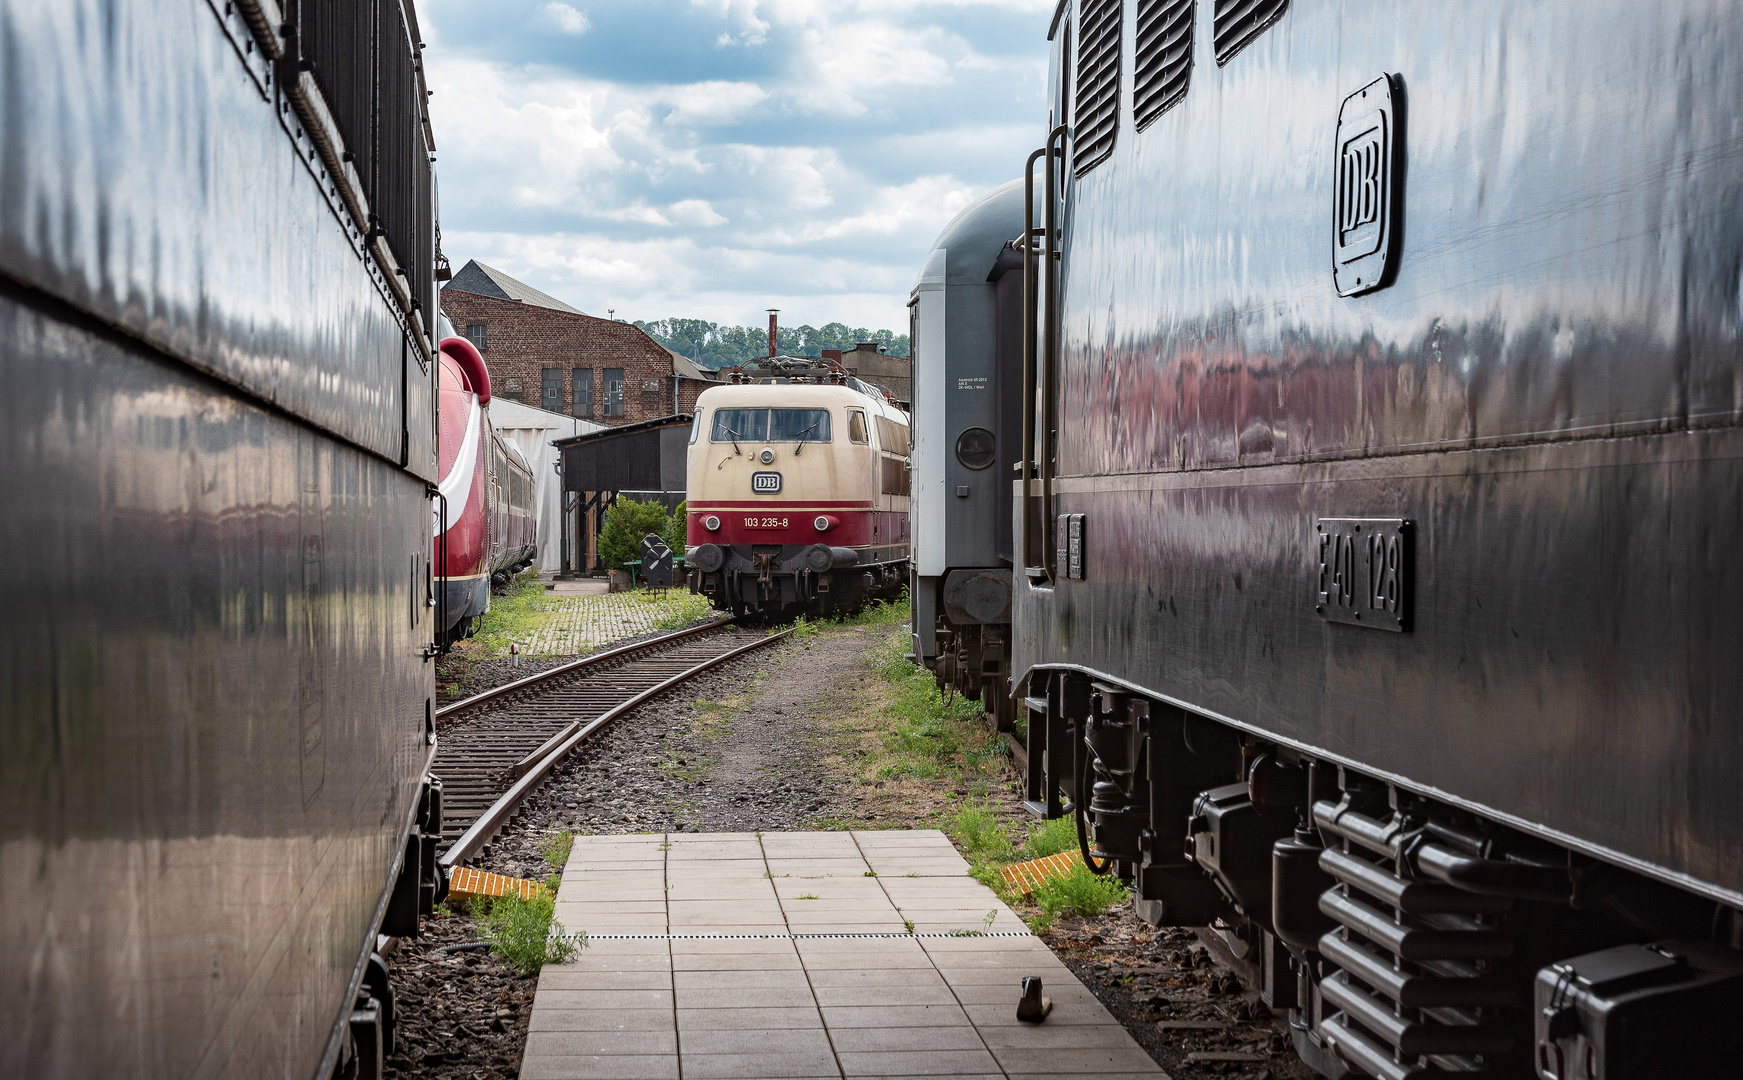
[483, 280]
[690, 369]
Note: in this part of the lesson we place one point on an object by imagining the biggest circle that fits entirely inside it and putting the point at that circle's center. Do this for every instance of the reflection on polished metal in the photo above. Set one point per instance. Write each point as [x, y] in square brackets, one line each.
[213, 694]
[1504, 424]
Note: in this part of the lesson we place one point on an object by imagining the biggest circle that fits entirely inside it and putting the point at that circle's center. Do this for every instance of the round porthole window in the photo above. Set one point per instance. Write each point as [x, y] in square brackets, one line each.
[974, 448]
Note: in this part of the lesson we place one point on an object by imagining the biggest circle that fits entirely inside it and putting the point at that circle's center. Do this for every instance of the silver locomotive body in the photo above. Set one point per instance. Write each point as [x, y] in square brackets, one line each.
[1374, 602]
[216, 282]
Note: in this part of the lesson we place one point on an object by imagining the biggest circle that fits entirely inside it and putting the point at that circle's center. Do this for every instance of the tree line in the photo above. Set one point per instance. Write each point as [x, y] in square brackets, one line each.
[712, 345]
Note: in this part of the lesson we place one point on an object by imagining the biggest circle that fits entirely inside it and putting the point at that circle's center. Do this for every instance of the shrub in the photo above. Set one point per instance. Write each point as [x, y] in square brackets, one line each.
[625, 524]
[677, 529]
[524, 933]
[1079, 891]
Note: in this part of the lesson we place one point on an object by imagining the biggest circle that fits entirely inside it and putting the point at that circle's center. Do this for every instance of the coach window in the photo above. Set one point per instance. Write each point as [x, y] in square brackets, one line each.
[614, 391]
[583, 391]
[856, 430]
[696, 427]
[552, 384]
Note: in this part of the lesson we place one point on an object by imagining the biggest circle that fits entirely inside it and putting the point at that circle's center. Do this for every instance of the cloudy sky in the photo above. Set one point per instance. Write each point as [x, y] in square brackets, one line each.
[712, 158]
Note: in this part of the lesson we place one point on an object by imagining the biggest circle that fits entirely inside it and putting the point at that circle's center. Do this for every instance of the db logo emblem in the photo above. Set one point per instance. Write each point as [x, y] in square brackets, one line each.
[765, 483]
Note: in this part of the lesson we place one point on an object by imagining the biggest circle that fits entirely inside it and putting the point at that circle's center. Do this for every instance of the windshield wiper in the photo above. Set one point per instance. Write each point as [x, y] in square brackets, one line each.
[734, 435]
[801, 437]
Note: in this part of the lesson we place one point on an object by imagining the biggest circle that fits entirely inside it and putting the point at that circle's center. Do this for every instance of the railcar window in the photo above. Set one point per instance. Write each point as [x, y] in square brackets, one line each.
[1239, 22]
[856, 429]
[613, 391]
[1098, 83]
[770, 425]
[582, 388]
[893, 435]
[696, 427]
[1161, 58]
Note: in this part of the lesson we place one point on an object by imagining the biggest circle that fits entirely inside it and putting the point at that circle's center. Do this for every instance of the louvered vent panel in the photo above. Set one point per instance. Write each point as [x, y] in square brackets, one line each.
[1162, 60]
[1098, 83]
[1238, 22]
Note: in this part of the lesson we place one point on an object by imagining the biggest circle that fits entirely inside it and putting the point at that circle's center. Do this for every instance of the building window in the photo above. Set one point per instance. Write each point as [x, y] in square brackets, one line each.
[583, 388]
[475, 334]
[553, 387]
[613, 391]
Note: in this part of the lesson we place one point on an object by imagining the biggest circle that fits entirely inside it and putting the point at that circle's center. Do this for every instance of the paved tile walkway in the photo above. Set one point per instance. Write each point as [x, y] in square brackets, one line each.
[728, 955]
[569, 623]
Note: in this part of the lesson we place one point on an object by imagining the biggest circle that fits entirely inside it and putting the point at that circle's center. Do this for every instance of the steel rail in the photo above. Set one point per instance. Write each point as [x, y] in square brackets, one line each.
[579, 665]
[497, 814]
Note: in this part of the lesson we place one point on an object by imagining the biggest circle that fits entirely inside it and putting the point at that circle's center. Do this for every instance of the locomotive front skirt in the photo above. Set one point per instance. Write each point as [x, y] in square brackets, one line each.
[797, 497]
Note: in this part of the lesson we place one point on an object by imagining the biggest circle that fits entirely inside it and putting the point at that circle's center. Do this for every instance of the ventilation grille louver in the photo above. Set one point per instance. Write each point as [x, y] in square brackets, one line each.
[1238, 22]
[1098, 84]
[1162, 60]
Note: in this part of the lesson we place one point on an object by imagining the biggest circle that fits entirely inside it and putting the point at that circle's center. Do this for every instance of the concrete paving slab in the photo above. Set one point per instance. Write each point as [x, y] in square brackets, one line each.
[639, 1020]
[761, 1066]
[600, 1043]
[741, 973]
[756, 1040]
[749, 1019]
[597, 1067]
[960, 1037]
[916, 1062]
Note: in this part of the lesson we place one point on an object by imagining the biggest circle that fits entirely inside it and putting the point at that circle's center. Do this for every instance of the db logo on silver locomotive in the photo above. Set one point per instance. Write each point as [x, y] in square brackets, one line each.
[765, 483]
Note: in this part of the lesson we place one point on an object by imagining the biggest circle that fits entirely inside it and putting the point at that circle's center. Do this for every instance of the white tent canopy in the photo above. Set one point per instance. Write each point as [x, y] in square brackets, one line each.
[532, 430]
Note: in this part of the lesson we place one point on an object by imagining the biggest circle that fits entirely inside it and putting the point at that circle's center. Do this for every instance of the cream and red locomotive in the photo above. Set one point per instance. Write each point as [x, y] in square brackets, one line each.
[484, 522]
[798, 492]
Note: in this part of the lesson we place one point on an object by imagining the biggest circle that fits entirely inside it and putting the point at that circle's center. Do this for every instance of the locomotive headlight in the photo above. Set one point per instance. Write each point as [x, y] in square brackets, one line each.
[767, 456]
[823, 523]
[711, 523]
[974, 448]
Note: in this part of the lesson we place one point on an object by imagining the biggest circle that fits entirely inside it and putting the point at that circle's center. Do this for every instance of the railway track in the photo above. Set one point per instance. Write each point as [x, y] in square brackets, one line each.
[489, 767]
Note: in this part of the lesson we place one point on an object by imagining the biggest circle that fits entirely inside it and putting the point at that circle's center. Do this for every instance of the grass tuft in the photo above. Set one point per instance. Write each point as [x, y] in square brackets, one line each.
[1079, 892]
[556, 848]
[1052, 838]
[525, 933]
[976, 827]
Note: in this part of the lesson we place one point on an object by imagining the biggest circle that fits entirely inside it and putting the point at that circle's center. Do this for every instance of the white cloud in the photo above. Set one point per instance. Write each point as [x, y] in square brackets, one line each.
[802, 154]
[567, 18]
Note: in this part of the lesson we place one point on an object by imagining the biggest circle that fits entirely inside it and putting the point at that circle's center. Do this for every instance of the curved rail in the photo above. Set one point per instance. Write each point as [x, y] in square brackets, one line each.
[579, 665]
[535, 767]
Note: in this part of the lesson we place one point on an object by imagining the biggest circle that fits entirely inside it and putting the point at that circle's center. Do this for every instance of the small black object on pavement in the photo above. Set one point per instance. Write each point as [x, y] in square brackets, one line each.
[1033, 1008]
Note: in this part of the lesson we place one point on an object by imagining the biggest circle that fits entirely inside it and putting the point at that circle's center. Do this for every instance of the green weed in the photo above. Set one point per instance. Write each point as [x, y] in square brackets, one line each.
[1079, 891]
[556, 848]
[526, 935]
[977, 830]
[1052, 838]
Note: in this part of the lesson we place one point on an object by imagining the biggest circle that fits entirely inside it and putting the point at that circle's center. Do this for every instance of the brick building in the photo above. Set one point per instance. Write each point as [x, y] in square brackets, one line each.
[544, 353]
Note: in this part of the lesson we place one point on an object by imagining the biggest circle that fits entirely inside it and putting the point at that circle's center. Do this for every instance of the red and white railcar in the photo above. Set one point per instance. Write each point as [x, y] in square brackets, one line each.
[484, 526]
[797, 495]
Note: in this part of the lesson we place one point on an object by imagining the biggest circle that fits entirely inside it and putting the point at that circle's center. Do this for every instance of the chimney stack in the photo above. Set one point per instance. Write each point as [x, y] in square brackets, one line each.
[772, 331]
